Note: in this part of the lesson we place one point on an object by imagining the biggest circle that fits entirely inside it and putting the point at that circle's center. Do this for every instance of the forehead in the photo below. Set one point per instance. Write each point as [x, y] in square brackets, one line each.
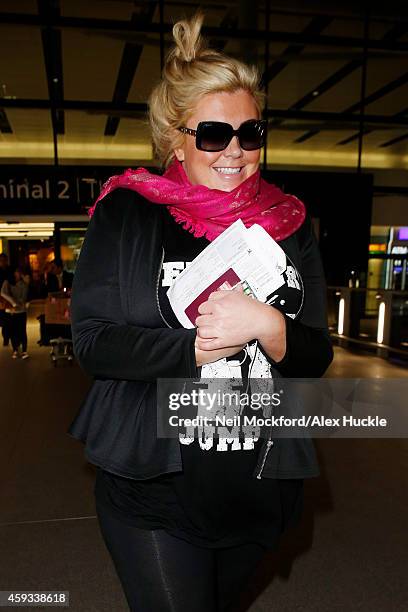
[232, 108]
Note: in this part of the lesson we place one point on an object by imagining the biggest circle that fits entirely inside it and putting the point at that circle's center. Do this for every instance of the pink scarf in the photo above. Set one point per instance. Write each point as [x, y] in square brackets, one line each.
[208, 212]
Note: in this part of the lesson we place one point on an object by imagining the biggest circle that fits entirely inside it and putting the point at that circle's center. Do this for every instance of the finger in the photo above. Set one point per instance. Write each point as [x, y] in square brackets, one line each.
[219, 295]
[211, 344]
[206, 332]
[205, 308]
[203, 343]
[203, 320]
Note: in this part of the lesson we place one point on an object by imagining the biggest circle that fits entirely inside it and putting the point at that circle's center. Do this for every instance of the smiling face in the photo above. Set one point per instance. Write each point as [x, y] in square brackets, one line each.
[201, 166]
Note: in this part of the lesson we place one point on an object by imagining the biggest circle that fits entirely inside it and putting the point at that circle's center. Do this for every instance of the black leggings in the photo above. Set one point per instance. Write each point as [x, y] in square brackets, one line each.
[163, 573]
[18, 331]
[5, 326]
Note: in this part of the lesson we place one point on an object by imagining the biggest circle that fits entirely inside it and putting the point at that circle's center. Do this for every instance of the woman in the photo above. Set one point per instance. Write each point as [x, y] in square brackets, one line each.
[16, 295]
[186, 524]
[5, 274]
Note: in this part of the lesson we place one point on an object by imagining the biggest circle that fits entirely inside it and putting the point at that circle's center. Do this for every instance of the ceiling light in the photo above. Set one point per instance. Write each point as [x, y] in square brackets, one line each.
[25, 234]
[19, 225]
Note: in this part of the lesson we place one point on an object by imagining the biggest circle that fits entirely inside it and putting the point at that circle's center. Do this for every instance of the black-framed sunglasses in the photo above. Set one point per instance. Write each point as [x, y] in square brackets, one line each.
[215, 136]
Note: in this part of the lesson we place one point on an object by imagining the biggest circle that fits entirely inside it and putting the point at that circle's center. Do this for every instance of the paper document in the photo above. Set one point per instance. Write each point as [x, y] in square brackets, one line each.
[239, 254]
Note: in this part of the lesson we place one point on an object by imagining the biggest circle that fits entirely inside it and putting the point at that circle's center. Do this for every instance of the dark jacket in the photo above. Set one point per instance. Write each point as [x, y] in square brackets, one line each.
[53, 285]
[121, 340]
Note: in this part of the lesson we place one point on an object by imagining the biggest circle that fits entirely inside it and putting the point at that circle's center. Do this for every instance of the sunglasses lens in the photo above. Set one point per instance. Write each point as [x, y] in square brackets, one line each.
[252, 135]
[213, 136]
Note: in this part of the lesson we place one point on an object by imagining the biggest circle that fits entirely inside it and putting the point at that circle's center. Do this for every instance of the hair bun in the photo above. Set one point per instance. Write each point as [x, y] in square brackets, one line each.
[188, 41]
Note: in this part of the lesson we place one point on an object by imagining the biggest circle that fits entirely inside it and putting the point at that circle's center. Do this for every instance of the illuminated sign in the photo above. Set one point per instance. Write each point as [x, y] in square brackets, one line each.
[377, 248]
[399, 250]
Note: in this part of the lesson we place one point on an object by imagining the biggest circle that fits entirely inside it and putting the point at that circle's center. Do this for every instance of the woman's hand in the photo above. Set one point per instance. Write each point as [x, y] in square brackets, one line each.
[209, 356]
[231, 318]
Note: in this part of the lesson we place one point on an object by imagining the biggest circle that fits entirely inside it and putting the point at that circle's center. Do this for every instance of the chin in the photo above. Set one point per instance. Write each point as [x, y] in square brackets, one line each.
[225, 188]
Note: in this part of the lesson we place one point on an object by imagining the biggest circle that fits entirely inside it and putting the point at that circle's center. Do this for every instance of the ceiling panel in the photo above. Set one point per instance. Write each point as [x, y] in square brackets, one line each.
[90, 64]
[284, 23]
[345, 27]
[22, 70]
[174, 12]
[328, 134]
[301, 76]
[22, 6]
[81, 125]
[379, 74]
[148, 71]
[30, 125]
[340, 97]
[102, 9]
[390, 104]
[375, 138]
[135, 131]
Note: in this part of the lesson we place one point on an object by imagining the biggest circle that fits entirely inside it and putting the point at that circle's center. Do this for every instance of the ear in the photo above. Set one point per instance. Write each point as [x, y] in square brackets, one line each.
[179, 153]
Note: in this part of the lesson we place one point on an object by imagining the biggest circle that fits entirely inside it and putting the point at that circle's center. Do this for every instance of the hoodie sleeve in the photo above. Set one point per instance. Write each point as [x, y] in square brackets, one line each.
[5, 293]
[309, 349]
[104, 344]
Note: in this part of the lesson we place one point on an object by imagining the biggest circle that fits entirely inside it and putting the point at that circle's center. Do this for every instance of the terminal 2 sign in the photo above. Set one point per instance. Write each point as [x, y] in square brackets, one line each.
[51, 190]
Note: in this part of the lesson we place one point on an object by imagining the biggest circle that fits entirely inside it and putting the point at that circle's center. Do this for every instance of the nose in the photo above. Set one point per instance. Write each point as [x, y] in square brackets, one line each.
[234, 148]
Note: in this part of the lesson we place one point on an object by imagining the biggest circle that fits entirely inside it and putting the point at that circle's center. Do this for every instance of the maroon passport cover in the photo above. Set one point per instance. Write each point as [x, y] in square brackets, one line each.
[192, 310]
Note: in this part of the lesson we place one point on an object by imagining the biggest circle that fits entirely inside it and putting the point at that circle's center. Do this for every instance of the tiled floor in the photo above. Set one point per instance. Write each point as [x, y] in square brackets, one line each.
[349, 553]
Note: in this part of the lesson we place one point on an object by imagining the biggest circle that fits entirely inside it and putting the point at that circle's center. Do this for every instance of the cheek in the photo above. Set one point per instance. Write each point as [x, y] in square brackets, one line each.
[201, 162]
[191, 163]
[206, 160]
[253, 157]
[195, 161]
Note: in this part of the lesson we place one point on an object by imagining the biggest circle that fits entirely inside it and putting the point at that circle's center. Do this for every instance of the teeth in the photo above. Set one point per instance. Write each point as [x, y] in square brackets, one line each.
[228, 170]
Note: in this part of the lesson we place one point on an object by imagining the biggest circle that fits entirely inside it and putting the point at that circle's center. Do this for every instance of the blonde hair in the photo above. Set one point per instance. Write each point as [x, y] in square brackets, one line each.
[192, 70]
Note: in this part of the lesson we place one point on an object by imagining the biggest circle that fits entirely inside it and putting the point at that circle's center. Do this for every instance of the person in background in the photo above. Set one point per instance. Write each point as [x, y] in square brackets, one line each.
[58, 279]
[52, 282]
[65, 277]
[16, 293]
[45, 273]
[37, 288]
[5, 274]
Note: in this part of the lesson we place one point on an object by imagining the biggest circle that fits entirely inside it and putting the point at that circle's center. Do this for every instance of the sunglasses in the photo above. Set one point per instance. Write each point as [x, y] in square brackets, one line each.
[215, 136]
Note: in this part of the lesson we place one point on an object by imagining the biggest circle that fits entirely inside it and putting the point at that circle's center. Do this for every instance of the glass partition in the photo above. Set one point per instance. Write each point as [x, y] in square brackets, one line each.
[71, 240]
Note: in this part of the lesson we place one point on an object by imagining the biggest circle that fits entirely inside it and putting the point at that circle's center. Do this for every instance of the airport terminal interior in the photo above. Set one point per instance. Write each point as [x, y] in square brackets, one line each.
[74, 83]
